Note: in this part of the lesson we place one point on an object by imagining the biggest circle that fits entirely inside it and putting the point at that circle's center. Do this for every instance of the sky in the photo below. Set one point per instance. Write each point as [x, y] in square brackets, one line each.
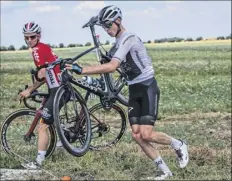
[62, 21]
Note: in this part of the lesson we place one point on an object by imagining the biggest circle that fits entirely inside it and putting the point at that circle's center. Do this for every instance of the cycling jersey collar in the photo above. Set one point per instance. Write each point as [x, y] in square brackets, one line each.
[123, 34]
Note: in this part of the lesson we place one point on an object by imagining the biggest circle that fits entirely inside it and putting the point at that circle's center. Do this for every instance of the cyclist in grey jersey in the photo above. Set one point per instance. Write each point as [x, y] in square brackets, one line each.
[130, 54]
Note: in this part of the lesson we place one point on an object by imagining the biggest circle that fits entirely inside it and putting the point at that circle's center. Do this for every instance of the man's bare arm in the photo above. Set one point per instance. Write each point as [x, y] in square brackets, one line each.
[96, 69]
[104, 68]
[36, 85]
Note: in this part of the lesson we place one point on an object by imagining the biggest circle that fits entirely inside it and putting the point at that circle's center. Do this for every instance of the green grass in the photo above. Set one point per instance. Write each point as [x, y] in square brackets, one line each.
[195, 104]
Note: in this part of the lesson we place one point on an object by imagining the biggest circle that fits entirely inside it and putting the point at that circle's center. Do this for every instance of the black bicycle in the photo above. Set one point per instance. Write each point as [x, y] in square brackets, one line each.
[107, 117]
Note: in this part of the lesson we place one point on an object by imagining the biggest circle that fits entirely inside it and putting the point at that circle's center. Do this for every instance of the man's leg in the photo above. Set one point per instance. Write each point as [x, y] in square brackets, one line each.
[148, 148]
[151, 152]
[149, 112]
[43, 140]
[158, 137]
[147, 134]
[44, 122]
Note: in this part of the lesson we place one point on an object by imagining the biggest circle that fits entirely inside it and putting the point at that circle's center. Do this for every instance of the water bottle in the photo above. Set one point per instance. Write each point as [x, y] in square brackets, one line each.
[92, 81]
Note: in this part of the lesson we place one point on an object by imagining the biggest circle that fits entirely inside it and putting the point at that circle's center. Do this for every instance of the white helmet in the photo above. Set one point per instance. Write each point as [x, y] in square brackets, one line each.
[31, 27]
[109, 13]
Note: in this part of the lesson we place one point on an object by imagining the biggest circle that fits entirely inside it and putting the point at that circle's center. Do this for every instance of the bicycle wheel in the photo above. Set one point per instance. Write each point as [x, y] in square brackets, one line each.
[72, 120]
[13, 138]
[108, 126]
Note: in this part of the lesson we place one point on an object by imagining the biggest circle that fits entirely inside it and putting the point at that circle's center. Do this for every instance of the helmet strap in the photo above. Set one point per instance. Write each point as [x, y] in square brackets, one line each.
[119, 29]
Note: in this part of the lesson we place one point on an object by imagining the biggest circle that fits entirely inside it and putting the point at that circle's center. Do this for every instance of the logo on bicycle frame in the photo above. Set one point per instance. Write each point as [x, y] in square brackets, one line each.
[85, 84]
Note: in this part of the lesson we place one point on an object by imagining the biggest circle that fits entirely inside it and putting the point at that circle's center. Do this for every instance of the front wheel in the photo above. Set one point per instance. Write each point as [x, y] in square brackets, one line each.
[14, 139]
[72, 120]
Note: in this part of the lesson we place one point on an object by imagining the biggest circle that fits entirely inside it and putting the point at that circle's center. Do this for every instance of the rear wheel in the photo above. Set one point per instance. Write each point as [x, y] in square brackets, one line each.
[108, 126]
[14, 139]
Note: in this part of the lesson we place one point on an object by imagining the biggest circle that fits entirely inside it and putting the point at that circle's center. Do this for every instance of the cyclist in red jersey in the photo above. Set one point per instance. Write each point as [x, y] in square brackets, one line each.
[41, 54]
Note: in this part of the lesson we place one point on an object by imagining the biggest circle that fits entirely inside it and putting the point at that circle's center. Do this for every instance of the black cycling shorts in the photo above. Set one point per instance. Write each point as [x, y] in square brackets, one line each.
[47, 106]
[143, 102]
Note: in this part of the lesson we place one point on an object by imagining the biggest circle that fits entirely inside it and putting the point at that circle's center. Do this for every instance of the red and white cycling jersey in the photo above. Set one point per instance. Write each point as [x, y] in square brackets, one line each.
[43, 54]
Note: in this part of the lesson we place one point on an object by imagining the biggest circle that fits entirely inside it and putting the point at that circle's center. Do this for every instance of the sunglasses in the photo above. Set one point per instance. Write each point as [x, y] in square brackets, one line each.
[107, 24]
[30, 37]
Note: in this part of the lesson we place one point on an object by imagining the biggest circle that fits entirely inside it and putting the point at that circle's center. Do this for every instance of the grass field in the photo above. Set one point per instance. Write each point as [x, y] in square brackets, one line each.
[195, 83]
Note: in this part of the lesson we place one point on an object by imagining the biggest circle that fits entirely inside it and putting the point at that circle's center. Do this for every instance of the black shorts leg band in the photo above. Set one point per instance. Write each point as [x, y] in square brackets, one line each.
[147, 120]
[47, 116]
[134, 120]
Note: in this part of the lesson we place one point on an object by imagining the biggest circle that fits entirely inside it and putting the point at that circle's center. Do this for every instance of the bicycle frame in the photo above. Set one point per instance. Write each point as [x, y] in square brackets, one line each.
[37, 115]
[110, 91]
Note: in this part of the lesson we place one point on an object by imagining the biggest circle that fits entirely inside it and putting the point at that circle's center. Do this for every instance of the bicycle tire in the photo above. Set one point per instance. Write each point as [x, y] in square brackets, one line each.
[76, 151]
[119, 110]
[12, 118]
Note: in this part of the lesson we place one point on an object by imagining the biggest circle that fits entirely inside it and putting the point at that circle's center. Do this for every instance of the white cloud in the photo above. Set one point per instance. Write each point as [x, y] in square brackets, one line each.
[42, 6]
[47, 8]
[171, 9]
[89, 5]
[173, 2]
[151, 12]
[37, 2]
[6, 2]
[141, 14]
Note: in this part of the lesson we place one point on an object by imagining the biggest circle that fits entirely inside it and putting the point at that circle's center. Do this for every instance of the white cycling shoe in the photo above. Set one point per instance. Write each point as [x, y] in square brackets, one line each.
[182, 155]
[59, 144]
[162, 176]
[31, 165]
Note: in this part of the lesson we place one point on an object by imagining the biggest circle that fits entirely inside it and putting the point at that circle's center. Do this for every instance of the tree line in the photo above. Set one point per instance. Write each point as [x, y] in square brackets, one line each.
[162, 40]
[178, 39]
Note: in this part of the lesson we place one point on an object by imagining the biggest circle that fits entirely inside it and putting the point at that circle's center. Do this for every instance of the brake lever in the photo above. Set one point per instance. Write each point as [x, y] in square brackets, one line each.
[32, 94]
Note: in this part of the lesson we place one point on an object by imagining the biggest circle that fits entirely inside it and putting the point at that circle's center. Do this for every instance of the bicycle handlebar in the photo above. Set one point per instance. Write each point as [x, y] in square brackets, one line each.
[93, 21]
[33, 96]
[58, 61]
